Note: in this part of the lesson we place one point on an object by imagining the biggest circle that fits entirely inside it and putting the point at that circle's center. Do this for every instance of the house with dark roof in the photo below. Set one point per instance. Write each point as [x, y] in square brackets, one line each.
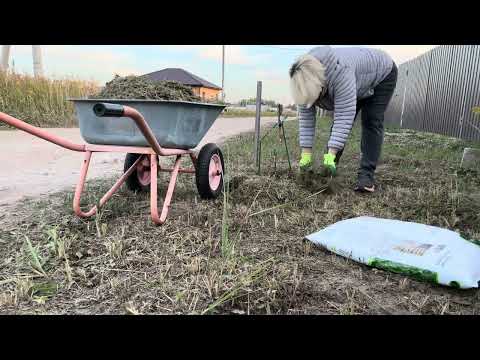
[201, 87]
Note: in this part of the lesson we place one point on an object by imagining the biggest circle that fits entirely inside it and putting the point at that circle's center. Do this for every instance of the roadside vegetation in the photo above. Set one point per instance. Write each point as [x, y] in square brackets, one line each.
[40, 101]
[43, 102]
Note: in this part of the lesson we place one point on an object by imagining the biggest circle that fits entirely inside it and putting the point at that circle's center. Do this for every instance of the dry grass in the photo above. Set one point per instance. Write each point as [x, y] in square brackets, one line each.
[120, 263]
[249, 113]
[40, 101]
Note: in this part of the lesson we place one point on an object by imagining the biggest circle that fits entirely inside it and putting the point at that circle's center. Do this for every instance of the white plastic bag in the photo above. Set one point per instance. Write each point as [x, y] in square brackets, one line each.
[421, 251]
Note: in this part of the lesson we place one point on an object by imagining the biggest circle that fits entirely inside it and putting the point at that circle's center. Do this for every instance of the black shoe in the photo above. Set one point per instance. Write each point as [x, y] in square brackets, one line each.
[365, 186]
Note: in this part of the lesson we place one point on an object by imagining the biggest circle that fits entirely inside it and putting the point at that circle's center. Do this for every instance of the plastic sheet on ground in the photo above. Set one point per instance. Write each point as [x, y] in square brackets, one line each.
[421, 251]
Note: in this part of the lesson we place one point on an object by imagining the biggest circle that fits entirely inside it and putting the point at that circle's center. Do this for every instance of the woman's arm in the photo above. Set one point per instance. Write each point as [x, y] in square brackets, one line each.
[345, 100]
[307, 121]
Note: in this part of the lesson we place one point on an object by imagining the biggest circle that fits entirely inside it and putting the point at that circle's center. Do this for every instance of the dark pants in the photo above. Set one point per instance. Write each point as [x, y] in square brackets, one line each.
[373, 113]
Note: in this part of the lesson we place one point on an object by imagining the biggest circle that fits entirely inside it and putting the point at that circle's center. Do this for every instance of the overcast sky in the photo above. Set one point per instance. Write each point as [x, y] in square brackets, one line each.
[245, 64]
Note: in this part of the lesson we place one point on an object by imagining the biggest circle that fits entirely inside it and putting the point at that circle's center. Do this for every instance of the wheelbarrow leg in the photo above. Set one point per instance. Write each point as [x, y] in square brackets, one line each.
[159, 220]
[79, 189]
[194, 160]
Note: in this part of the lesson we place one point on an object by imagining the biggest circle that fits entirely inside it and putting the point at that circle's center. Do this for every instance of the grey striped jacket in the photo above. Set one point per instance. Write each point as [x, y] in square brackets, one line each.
[351, 74]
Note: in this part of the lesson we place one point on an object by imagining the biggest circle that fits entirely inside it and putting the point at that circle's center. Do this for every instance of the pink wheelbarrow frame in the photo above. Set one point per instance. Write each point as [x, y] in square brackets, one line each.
[146, 163]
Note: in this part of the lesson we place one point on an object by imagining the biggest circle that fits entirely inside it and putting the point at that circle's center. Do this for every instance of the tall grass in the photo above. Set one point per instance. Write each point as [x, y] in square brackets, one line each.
[251, 113]
[41, 101]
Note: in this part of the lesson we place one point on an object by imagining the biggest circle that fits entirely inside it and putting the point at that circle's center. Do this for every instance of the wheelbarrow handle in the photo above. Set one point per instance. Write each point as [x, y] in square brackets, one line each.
[115, 110]
[41, 133]
[105, 109]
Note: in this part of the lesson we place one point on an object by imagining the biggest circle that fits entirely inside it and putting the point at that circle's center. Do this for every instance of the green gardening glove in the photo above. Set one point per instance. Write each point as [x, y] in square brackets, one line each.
[305, 160]
[329, 163]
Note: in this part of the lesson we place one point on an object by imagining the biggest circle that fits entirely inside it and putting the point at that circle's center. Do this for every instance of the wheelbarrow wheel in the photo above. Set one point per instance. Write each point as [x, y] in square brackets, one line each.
[210, 171]
[139, 180]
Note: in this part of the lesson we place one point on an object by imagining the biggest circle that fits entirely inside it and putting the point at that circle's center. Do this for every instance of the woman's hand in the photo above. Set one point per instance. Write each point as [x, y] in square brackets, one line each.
[329, 164]
[306, 158]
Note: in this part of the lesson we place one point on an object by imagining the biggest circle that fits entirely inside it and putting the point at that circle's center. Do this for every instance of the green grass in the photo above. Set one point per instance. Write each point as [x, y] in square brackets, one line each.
[40, 101]
[244, 252]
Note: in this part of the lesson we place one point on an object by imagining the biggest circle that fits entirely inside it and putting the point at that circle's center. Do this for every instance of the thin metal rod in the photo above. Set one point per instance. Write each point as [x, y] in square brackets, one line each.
[257, 125]
[281, 128]
[268, 132]
[286, 147]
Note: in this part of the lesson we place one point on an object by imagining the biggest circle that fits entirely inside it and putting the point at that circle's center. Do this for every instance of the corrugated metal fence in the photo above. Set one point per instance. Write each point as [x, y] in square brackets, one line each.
[437, 91]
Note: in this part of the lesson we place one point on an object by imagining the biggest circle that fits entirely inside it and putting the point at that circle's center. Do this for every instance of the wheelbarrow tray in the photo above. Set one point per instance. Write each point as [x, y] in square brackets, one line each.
[175, 124]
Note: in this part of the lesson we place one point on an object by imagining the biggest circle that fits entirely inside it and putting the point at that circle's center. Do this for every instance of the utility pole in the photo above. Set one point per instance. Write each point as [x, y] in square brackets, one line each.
[223, 73]
[37, 61]
[5, 57]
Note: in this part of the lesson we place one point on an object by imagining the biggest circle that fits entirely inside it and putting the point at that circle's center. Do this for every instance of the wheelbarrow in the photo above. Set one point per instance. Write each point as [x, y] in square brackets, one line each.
[144, 130]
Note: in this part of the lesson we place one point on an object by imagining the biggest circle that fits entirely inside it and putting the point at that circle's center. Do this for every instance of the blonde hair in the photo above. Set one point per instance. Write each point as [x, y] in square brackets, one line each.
[307, 80]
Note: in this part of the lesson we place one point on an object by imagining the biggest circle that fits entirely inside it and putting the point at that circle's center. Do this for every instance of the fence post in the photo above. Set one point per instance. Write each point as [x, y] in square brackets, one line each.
[257, 125]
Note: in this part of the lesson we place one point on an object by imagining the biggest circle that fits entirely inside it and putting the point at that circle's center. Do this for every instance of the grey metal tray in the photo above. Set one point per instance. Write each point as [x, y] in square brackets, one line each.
[176, 124]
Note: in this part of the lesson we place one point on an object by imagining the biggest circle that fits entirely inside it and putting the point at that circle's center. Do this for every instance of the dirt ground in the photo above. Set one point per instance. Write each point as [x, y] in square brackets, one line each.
[27, 160]
[243, 253]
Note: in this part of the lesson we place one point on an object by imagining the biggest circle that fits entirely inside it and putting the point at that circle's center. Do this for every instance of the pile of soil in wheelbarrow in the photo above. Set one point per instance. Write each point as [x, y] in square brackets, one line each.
[139, 87]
